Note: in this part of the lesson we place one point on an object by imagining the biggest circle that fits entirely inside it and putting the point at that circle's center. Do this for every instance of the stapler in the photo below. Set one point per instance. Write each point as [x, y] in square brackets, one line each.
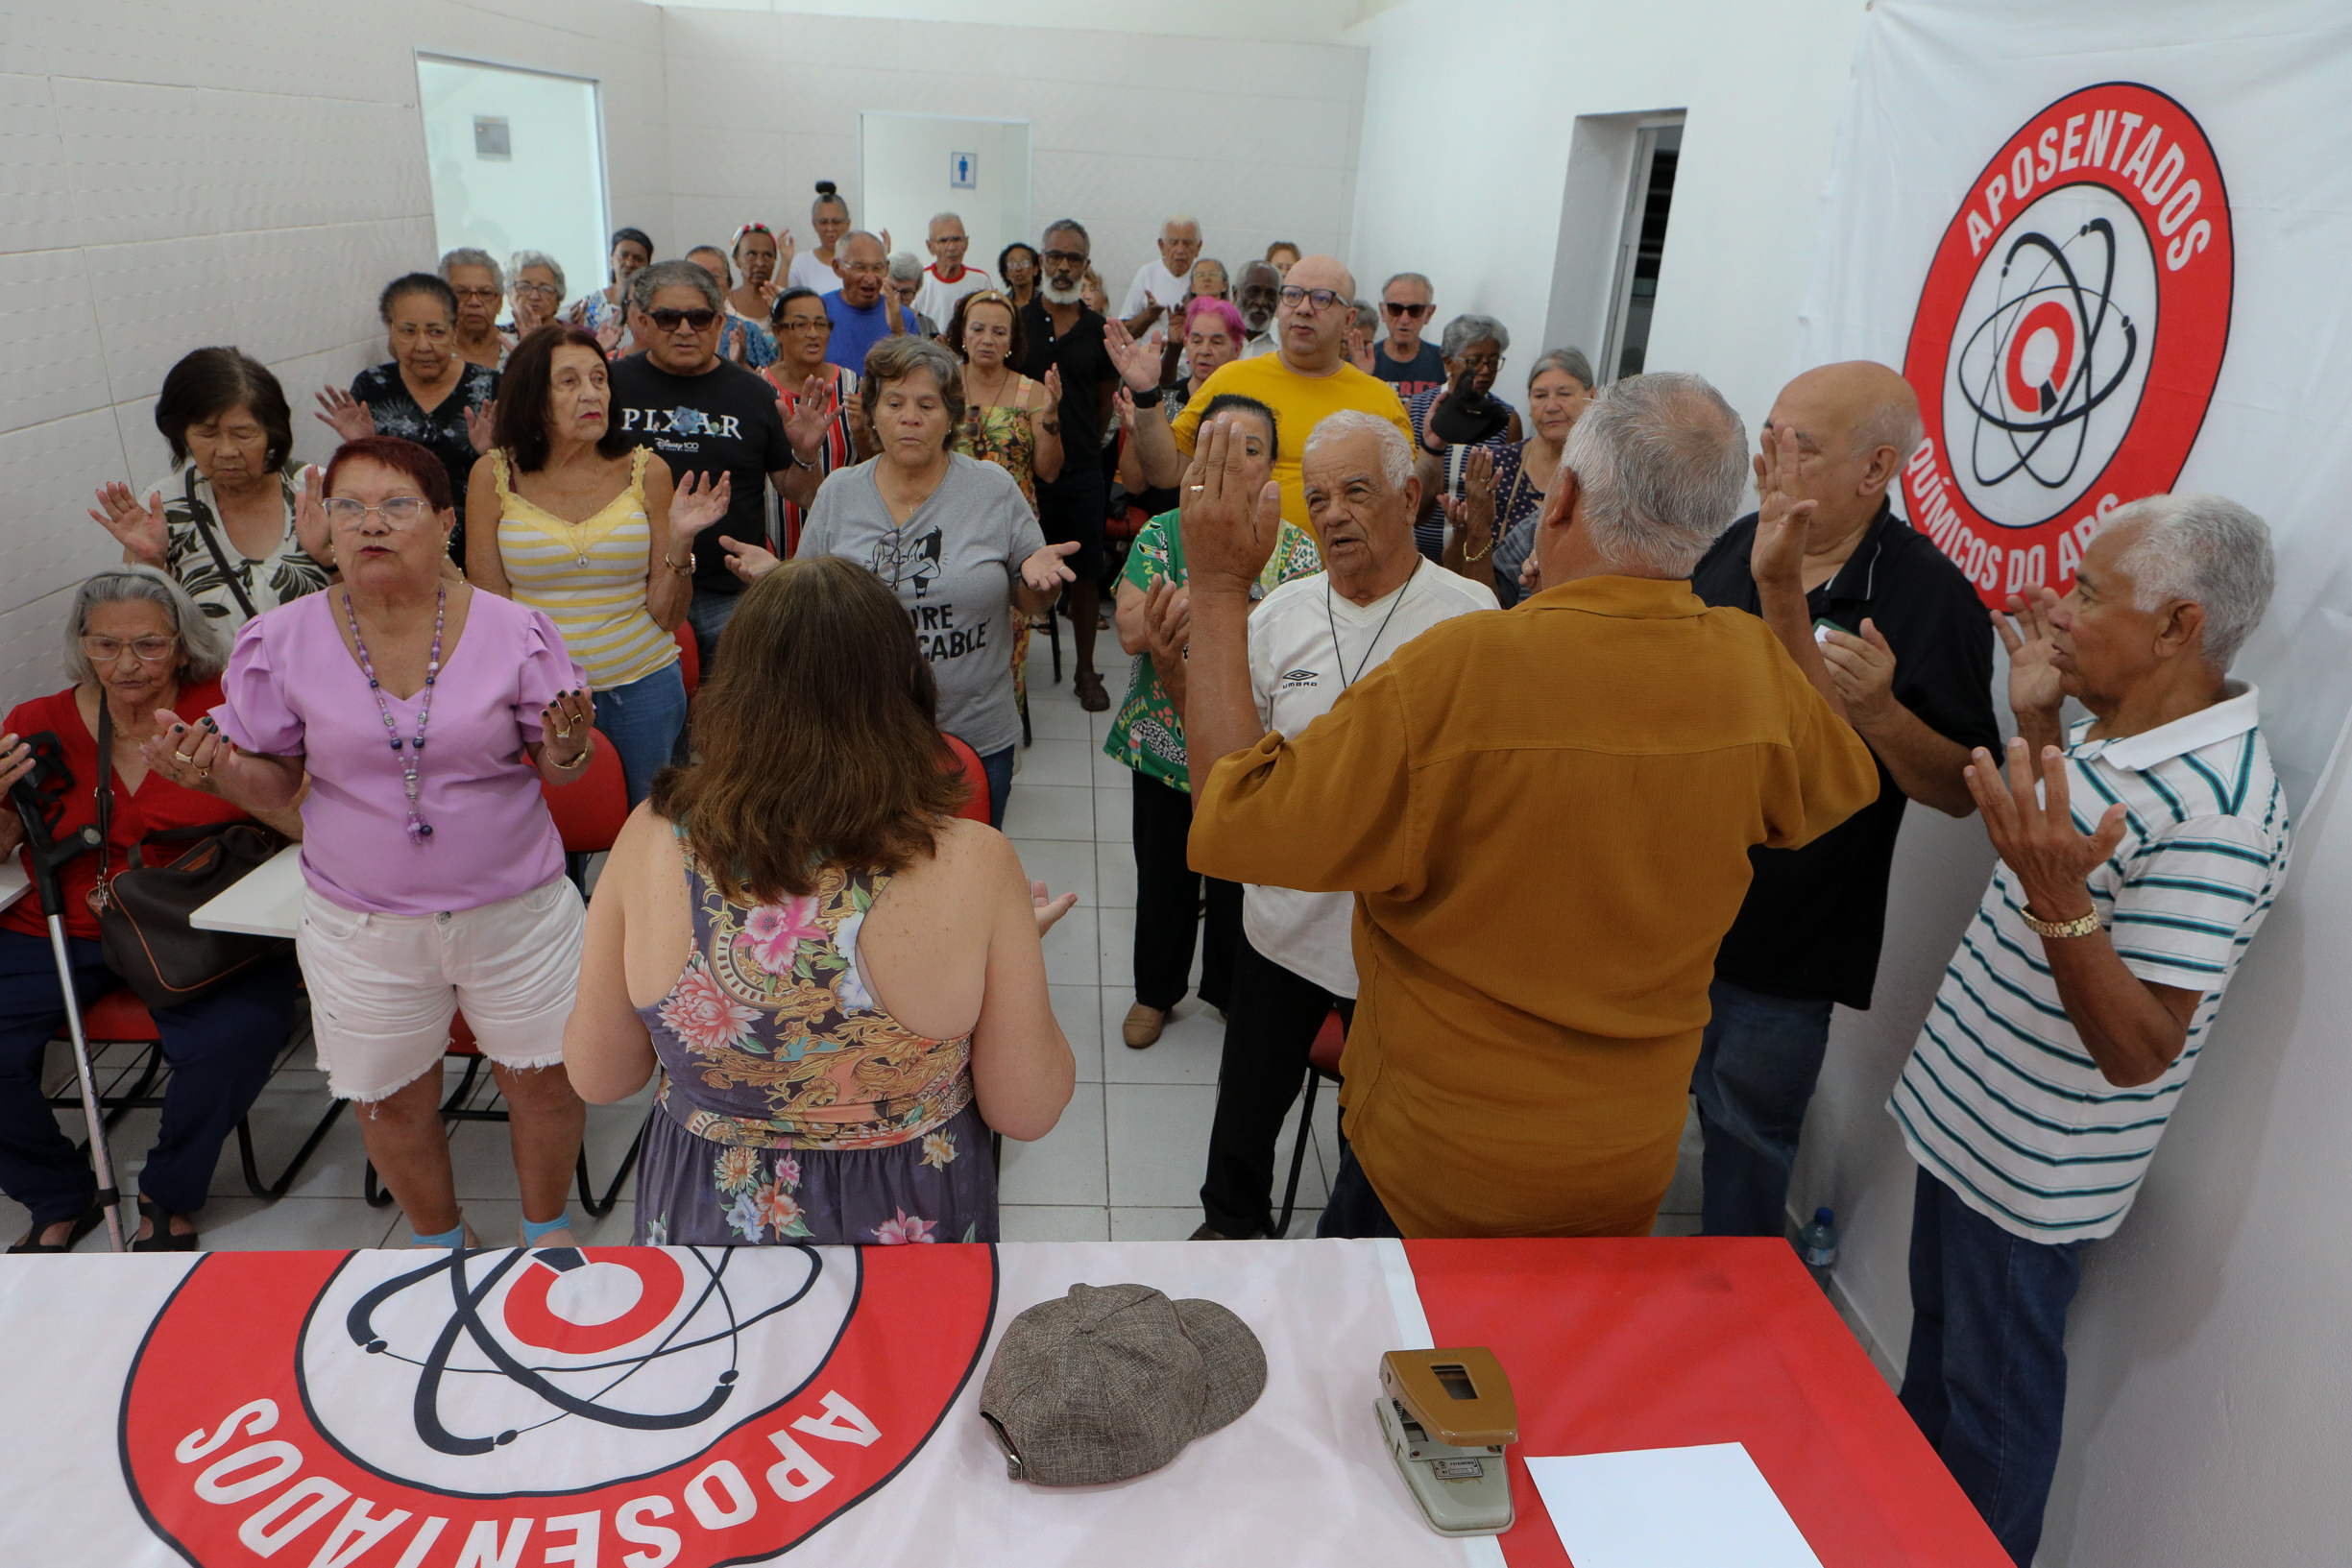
[1447, 1416]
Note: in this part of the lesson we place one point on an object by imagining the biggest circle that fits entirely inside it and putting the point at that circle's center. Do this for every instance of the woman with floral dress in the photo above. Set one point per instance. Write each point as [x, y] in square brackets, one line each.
[1009, 420]
[839, 984]
[1153, 616]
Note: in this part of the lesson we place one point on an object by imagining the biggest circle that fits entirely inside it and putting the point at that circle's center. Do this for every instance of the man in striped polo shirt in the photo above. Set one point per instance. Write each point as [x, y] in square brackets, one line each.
[2070, 1018]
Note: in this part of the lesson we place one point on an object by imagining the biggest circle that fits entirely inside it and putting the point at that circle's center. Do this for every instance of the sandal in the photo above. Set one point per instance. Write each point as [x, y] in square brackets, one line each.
[1091, 696]
[164, 1238]
[89, 1220]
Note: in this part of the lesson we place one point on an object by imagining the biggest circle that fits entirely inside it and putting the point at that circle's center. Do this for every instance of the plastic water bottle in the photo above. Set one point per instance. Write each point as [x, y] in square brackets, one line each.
[1819, 1245]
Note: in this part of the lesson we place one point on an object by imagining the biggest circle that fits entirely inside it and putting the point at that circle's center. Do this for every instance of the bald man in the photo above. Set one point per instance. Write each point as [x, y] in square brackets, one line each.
[1305, 380]
[1910, 649]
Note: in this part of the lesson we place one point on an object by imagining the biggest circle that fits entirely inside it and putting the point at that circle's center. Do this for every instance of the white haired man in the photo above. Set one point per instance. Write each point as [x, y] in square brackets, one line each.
[947, 279]
[1161, 286]
[1544, 817]
[1911, 648]
[2073, 1011]
[1311, 640]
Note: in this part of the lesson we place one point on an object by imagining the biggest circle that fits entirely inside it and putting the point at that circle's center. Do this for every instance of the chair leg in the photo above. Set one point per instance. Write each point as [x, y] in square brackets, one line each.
[598, 1207]
[271, 1192]
[1053, 635]
[376, 1194]
[1299, 1155]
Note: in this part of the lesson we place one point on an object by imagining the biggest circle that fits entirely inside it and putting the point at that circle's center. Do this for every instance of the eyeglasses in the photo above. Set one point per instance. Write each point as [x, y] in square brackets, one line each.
[543, 291]
[865, 269]
[399, 512]
[1292, 296]
[432, 332]
[1075, 258]
[669, 320]
[1482, 362]
[1409, 312]
[488, 296]
[806, 323]
[151, 650]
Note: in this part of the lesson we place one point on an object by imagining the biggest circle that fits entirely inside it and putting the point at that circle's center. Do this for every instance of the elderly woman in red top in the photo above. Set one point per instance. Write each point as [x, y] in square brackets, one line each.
[134, 644]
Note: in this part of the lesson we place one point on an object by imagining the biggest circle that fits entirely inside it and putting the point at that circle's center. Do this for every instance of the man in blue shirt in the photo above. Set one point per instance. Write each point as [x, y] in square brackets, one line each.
[860, 314]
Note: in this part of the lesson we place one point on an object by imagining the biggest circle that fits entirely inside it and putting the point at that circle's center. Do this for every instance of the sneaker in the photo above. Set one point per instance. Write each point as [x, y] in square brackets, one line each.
[1143, 1026]
[1207, 1233]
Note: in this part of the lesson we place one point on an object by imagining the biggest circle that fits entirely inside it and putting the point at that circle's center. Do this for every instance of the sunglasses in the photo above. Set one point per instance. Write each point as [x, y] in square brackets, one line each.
[1408, 312]
[669, 320]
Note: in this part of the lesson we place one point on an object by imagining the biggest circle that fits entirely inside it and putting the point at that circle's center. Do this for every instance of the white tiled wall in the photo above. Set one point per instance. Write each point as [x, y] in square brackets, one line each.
[1258, 139]
[248, 172]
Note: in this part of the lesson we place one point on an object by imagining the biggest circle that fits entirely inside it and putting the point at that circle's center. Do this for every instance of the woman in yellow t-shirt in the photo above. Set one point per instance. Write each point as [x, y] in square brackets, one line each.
[588, 532]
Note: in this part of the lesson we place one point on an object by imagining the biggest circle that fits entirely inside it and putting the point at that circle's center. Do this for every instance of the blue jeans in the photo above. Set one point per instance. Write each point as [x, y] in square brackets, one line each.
[997, 766]
[1355, 1212]
[708, 615]
[221, 1050]
[1986, 1378]
[643, 720]
[1758, 1061]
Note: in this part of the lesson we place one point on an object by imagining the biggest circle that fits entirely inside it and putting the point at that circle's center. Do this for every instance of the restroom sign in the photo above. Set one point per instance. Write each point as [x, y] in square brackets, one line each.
[962, 171]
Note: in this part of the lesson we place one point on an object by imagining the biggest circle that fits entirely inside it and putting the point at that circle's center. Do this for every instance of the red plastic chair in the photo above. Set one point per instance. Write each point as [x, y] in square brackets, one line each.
[1323, 1063]
[690, 658]
[589, 811]
[977, 807]
[120, 1019]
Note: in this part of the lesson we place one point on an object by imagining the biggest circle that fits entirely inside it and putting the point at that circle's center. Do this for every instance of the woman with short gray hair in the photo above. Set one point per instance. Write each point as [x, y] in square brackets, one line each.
[535, 286]
[473, 276]
[1472, 347]
[134, 644]
[952, 535]
[1558, 390]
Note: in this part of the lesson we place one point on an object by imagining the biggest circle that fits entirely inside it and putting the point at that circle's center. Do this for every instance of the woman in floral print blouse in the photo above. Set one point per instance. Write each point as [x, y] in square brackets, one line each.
[838, 984]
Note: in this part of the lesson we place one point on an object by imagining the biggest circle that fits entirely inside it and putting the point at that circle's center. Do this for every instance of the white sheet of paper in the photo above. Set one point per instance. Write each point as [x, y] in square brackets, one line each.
[1669, 1507]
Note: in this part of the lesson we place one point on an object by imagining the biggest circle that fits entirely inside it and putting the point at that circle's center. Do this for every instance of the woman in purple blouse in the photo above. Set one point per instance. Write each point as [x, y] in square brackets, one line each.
[435, 876]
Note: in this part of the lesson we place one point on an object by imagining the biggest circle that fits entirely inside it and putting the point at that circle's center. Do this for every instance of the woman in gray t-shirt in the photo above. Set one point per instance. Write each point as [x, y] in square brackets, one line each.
[952, 537]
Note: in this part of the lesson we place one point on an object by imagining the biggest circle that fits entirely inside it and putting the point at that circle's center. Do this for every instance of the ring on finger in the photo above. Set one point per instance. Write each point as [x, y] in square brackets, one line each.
[182, 757]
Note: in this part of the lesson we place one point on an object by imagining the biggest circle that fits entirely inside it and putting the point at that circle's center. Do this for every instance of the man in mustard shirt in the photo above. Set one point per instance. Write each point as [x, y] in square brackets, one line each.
[1305, 378]
[1544, 814]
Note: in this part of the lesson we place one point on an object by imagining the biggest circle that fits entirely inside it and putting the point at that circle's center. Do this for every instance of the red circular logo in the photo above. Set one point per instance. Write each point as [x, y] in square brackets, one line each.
[683, 1407]
[2069, 334]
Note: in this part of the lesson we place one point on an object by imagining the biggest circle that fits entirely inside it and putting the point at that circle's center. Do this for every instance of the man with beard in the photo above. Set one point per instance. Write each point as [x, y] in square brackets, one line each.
[1059, 330]
[1257, 293]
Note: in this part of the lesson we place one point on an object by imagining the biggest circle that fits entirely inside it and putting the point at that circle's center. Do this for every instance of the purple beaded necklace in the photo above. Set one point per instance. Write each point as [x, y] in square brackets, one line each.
[419, 830]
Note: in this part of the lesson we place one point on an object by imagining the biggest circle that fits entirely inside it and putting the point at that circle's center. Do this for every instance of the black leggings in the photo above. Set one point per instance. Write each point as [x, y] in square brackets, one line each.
[1168, 905]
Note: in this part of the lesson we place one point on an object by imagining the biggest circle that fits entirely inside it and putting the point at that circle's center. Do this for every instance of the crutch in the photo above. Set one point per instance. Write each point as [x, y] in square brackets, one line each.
[46, 856]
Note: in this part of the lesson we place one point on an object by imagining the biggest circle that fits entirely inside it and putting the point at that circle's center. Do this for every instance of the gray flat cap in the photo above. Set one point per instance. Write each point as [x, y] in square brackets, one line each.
[1111, 1382]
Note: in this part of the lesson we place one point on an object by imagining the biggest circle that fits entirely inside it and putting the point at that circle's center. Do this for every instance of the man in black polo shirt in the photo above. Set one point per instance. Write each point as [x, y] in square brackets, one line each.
[1911, 649]
[1058, 329]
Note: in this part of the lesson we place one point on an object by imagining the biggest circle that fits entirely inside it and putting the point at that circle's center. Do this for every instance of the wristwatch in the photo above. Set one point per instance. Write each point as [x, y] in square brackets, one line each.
[2080, 926]
[1146, 399]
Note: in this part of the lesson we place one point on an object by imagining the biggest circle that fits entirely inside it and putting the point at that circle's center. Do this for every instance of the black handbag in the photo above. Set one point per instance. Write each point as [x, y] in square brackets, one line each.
[143, 909]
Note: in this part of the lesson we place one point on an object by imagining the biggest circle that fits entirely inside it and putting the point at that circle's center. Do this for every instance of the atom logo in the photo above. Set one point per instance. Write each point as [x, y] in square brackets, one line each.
[686, 1406]
[2069, 334]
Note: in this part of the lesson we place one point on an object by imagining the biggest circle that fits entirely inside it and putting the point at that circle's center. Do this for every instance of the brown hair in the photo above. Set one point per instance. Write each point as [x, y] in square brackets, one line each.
[521, 418]
[818, 739]
[1016, 351]
[420, 466]
[900, 355]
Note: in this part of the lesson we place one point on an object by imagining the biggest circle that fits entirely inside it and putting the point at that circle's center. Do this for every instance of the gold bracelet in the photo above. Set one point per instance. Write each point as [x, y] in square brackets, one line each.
[2080, 926]
[579, 762]
[687, 570]
[1482, 554]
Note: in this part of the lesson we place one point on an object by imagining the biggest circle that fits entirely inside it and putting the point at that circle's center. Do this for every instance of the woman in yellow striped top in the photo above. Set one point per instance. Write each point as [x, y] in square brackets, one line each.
[590, 532]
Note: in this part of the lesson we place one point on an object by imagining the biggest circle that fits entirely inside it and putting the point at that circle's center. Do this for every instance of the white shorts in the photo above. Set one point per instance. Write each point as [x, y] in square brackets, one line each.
[385, 987]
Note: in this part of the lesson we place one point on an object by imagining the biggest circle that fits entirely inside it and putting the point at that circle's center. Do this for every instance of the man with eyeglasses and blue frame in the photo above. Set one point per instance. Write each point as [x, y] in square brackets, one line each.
[1305, 380]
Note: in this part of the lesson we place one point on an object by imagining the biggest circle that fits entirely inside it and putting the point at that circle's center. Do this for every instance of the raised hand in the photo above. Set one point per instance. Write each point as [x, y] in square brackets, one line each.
[1778, 556]
[608, 336]
[1864, 670]
[886, 242]
[696, 504]
[767, 293]
[807, 413]
[1168, 627]
[310, 528]
[1472, 513]
[1229, 530]
[481, 425]
[784, 251]
[2037, 838]
[141, 529]
[1049, 910]
[2035, 685]
[345, 415]
[1053, 389]
[749, 561]
[1138, 367]
[1360, 350]
[567, 728]
[1047, 569]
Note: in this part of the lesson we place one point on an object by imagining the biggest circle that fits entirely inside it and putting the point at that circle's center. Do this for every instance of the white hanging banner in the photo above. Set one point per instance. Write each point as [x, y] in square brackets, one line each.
[2100, 242]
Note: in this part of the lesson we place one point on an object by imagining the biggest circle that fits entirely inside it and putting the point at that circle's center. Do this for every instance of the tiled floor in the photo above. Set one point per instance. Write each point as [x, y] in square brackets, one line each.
[1125, 1163]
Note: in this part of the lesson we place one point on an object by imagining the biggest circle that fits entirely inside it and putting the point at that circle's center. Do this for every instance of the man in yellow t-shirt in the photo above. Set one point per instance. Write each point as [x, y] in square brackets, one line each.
[1305, 378]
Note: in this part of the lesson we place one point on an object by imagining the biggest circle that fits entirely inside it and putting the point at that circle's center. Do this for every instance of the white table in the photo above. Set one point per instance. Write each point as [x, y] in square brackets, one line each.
[13, 883]
[265, 901]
